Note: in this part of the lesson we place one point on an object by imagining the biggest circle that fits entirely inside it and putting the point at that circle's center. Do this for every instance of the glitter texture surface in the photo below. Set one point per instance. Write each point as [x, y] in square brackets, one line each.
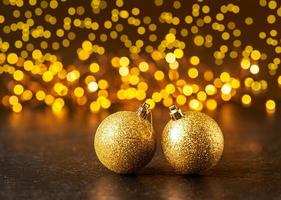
[125, 142]
[193, 143]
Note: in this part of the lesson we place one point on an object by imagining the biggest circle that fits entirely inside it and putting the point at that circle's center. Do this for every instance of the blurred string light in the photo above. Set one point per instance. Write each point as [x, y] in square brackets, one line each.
[159, 62]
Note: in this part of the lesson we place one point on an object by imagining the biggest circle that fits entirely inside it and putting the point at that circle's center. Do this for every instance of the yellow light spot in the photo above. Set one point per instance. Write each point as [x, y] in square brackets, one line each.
[219, 16]
[134, 80]
[194, 60]
[2, 19]
[195, 88]
[256, 86]
[178, 53]
[60, 89]
[94, 107]
[249, 21]
[167, 102]
[181, 100]
[143, 66]
[81, 101]
[28, 65]
[47, 76]
[27, 95]
[263, 84]
[103, 84]
[226, 89]
[254, 69]
[49, 99]
[142, 86]
[174, 65]
[156, 97]
[124, 14]
[225, 77]
[141, 30]
[53, 4]
[17, 107]
[208, 75]
[36, 54]
[272, 4]
[13, 100]
[170, 57]
[94, 67]
[83, 55]
[193, 73]
[103, 93]
[87, 45]
[93, 86]
[225, 35]
[248, 82]
[279, 11]
[201, 96]
[279, 80]
[159, 75]
[271, 19]
[187, 90]
[170, 37]
[140, 95]
[211, 104]
[56, 67]
[79, 92]
[18, 44]
[170, 88]
[107, 24]
[210, 89]
[18, 75]
[124, 61]
[245, 63]
[104, 102]
[194, 104]
[226, 97]
[262, 35]
[18, 89]
[40, 95]
[135, 11]
[188, 19]
[73, 76]
[123, 71]
[199, 40]
[12, 58]
[173, 75]
[58, 105]
[270, 105]
[246, 100]
[235, 83]
[255, 55]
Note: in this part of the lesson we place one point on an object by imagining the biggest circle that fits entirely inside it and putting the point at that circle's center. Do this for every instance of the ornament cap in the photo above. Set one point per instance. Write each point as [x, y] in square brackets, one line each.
[175, 112]
[143, 111]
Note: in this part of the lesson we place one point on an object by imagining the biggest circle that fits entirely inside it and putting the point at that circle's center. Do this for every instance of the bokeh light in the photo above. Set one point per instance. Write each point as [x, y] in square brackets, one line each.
[97, 53]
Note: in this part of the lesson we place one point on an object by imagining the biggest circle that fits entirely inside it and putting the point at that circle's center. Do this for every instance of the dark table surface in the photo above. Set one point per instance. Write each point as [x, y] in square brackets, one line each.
[43, 156]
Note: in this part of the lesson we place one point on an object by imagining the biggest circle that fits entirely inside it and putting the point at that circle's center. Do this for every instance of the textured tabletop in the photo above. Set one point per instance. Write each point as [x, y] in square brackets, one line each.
[43, 156]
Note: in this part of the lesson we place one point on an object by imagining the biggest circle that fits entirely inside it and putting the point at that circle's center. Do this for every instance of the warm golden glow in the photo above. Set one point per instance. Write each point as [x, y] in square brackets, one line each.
[196, 58]
[270, 105]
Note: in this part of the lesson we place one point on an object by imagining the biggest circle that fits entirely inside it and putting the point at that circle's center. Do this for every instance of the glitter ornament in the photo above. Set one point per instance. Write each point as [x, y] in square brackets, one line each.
[125, 141]
[192, 142]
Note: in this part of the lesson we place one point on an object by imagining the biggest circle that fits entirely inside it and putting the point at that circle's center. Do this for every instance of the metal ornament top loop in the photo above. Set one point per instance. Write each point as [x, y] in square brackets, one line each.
[143, 111]
[175, 112]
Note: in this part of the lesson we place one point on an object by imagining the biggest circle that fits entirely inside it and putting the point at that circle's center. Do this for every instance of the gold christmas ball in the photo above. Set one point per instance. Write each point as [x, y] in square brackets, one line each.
[192, 142]
[125, 142]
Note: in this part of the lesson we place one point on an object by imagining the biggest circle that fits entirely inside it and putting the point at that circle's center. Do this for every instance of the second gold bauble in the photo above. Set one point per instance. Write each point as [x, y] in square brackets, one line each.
[192, 142]
[125, 142]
